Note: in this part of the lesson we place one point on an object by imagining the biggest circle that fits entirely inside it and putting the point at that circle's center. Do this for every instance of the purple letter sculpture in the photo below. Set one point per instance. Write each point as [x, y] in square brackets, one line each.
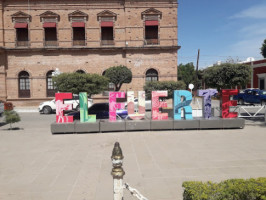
[207, 101]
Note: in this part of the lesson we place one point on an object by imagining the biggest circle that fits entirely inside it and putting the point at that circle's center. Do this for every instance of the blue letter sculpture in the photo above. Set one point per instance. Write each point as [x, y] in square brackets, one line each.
[185, 104]
[207, 101]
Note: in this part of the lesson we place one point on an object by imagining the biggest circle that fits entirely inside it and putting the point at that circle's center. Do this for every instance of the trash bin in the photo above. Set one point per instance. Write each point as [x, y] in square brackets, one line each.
[8, 106]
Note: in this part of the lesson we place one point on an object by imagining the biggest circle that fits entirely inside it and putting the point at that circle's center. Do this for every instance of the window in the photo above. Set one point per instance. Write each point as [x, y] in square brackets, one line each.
[107, 19]
[50, 20]
[78, 22]
[151, 75]
[111, 86]
[80, 71]
[50, 35]
[151, 34]
[21, 21]
[78, 36]
[261, 83]
[151, 18]
[24, 84]
[50, 89]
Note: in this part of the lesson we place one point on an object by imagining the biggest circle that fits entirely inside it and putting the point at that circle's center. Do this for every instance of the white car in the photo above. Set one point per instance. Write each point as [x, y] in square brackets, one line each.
[136, 105]
[48, 107]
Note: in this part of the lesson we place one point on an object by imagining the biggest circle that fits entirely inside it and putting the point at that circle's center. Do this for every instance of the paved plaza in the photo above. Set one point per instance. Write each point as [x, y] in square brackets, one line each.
[36, 165]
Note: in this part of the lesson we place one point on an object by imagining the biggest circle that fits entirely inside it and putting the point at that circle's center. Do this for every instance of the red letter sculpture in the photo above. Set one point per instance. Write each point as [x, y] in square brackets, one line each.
[226, 103]
[60, 107]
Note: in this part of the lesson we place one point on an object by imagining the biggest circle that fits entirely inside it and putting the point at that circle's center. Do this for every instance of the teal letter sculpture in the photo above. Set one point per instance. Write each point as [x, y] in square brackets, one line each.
[83, 103]
[185, 104]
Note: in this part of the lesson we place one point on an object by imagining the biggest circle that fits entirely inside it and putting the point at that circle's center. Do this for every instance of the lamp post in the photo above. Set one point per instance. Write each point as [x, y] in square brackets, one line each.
[117, 171]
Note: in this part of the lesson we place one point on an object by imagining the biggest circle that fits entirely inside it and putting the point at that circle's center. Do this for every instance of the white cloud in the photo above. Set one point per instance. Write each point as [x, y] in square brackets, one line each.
[253, 30]
[254, 12]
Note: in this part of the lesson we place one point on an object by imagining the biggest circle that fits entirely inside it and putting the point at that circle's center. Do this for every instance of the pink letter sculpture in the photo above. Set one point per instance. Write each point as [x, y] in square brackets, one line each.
[131, 106]
[156, 104]
[60, 107]
[113, 105]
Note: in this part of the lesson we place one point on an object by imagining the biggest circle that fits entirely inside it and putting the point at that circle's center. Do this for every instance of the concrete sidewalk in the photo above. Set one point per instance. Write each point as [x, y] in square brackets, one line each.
[36, 165]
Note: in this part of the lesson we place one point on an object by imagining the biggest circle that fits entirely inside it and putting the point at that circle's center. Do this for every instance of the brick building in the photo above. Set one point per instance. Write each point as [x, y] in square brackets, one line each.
[36, 37]
[258, 75]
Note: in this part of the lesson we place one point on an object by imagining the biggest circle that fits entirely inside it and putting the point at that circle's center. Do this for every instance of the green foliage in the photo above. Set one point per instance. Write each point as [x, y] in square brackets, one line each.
[263, 49]
[118, 75]
[11, 117]
[77, 82]
[227, 75]
[186, 73]
[233, 189]
[170, 86]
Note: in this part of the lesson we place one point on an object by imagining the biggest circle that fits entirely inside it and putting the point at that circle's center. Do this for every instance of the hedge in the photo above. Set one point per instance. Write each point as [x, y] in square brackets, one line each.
[233, 189]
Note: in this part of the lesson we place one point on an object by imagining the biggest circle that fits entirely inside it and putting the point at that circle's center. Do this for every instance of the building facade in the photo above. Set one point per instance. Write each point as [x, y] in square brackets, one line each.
[258, 74]
[37, 37]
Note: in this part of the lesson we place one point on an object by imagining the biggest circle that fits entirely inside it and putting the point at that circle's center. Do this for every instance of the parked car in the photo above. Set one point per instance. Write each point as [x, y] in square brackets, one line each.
[1, 108]
[136, 105]
[48, 107]
[101, 110]
[252, 96]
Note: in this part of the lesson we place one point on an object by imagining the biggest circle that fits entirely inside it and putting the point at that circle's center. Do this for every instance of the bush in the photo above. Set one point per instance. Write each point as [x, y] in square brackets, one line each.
[170, 86]
[11, 117]
[233, 189]
[77, 82]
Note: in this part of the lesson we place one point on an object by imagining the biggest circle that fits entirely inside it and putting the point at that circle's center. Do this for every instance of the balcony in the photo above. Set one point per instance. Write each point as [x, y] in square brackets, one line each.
[151, 42]
[51, 43]
[22, 43]
[79, 42]
[107, 42]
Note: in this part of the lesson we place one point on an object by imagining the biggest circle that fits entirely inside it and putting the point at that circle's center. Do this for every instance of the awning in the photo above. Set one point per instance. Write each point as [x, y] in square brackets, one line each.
[49, 25]
[21, 25]
[107, 24]
[151, 23]
[78, 24]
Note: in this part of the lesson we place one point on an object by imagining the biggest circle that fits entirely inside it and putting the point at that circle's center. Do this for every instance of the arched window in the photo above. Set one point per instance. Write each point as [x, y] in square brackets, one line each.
[50, 89]
[80, 71]
[111, 86]
[24, 84]
[151, 75]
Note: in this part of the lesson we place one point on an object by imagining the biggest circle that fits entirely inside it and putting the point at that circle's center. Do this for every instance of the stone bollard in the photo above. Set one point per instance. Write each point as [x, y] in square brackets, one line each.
[117, 171]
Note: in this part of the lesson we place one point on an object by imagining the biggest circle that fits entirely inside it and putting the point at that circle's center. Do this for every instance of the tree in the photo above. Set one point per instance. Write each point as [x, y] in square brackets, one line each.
[118, 75]
[186, 73]
[170, 86]
[11, 117]
[227, 75]
[263, 49]
[77, 82]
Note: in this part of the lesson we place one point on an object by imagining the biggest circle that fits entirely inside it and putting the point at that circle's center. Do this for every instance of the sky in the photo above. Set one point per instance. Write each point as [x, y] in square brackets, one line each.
[221, 29]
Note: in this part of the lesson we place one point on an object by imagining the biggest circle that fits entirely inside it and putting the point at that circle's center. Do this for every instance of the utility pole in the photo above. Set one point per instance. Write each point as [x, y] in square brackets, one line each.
[197, 69]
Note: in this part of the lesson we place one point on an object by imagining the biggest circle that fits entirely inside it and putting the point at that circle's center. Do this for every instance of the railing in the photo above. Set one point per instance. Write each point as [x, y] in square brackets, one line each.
[22, 43]
[51, 43]
[151, 42]
[79, 42]
[107, 42]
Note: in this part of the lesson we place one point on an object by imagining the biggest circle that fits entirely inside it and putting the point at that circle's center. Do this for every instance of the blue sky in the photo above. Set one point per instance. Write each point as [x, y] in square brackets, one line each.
[220, 29]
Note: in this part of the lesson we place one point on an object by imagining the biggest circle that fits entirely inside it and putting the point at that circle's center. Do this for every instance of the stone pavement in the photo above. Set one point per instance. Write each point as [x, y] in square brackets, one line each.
[36, 165]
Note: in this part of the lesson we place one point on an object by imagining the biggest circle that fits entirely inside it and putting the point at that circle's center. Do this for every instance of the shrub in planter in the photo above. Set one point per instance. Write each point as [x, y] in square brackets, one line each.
[233, 189]
[11, 117]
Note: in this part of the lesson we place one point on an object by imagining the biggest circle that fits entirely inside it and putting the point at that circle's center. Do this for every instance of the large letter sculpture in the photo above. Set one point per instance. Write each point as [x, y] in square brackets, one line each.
[113, 105]
[226, 103]
[185, 104]
[207, 101]
[60, 107]
[83, 103]
[131, 106]
[156, 104]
